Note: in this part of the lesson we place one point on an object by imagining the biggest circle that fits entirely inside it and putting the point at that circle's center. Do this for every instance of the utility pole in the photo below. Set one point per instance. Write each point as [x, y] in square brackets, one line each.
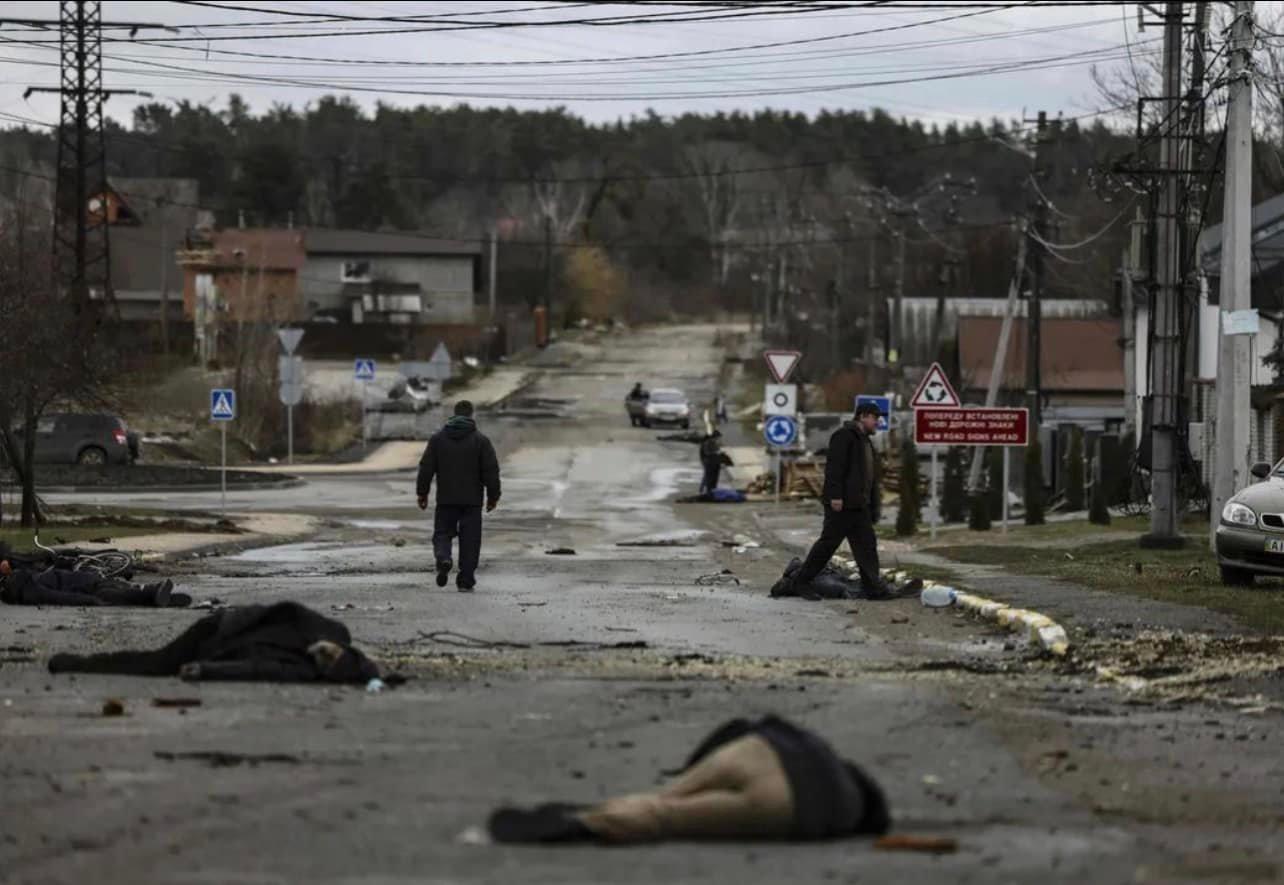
[895, 329]
[1232, 433]
[1166, 367]
[164, 281]
[492, 277]
[1034, 313]
[82, 254]
[548, 268]
[872, 287]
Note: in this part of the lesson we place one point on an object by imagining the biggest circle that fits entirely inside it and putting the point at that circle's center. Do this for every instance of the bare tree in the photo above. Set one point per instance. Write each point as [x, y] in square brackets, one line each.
[714, 166]
[53, 351]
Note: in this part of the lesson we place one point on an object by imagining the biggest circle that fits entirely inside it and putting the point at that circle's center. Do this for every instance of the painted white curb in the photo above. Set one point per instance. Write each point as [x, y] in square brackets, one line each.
[1034, 627]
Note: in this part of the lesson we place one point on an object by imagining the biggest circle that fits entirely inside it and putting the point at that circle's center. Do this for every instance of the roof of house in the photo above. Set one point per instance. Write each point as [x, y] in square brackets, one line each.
[1076, 354]
[164, 209]
[1268, 239]
[272, 248]
[326, 241]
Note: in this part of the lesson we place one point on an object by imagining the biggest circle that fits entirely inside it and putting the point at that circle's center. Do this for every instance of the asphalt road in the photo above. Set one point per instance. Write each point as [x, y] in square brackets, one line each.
[1039, 771]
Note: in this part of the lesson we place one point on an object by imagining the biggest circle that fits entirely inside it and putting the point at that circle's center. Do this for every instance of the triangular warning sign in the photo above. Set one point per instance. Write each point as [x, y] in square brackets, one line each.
[935, 391]
[222, 407]
[781, 363]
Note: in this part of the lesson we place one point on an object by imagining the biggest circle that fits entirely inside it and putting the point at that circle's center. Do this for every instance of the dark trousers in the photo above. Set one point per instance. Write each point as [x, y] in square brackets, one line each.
[854, 527]
[466, 522]
[712, 469]
[61, 587]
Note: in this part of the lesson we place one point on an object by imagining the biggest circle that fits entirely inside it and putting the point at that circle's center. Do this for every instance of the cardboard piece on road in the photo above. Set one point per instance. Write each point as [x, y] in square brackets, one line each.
[363, 369]
[884, 404]
[780, 431]
[972, 427]
[935, 391]
[290, 339]
[780, 399]
[222, 404]
[290, 394]
[289, 369]
[781, 363]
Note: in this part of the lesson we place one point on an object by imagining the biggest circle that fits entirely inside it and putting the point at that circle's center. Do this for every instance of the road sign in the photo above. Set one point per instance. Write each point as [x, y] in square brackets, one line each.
[222, 404]
[363, 369]
[781, 363]
[289, 369]
[290, 394]
[440, 363]
[290, 339]
[935, 391]
[780, 399]
[971, 427]
[780, 431]
[884, 404]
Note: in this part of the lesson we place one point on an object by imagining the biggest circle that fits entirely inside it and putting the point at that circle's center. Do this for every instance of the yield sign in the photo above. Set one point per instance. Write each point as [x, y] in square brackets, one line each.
[782, 363]
[290, 339]
[935, 391]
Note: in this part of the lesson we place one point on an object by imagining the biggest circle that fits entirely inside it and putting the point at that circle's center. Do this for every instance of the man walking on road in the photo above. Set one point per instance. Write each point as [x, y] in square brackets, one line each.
[464, 463]
[852, 505]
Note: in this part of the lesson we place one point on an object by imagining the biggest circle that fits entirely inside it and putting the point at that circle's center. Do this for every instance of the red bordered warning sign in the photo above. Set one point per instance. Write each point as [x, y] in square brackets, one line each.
[935, 391]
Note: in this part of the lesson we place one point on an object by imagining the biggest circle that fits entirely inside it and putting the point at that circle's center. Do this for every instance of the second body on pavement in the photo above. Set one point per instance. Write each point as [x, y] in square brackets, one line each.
[462, 461]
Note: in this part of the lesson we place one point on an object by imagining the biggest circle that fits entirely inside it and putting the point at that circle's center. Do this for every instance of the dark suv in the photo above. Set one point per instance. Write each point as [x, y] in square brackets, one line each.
[85, 439]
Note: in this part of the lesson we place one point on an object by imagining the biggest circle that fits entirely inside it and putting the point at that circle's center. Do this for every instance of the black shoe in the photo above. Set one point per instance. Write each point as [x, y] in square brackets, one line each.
[179, 600]
[443, 571]
[164, 593]
[465, 585]
[881, 590]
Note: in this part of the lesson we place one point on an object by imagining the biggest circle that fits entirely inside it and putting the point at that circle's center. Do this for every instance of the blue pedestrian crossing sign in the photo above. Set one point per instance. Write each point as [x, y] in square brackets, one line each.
[884, 404]
[363, 369]
[222, 404]
[780, 431]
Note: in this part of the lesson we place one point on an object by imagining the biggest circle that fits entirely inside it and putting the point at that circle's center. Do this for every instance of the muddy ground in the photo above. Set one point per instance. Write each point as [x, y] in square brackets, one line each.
[577, 676]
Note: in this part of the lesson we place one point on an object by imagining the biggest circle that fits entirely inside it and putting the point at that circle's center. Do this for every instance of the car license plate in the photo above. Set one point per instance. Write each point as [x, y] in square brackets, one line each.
[1275, 545]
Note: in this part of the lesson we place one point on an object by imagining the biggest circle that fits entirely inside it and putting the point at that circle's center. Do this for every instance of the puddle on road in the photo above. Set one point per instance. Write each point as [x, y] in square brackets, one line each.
[311, 552]
[376, 524]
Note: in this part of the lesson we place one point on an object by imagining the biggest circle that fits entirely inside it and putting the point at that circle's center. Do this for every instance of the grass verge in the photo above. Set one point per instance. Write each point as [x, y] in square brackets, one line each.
[1186, 577]
[20, 539]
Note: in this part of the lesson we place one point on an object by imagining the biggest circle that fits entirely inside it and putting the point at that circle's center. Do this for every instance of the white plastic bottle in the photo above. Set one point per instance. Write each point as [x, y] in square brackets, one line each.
[938, 596]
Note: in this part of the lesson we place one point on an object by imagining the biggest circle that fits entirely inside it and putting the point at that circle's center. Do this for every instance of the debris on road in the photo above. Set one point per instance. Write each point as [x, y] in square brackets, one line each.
[176, 703]
[223, 759]
[776, 781]
[721, 579]
[560, 551]
[923, 844]
[375, 686]
[113, 707]
[682, 539]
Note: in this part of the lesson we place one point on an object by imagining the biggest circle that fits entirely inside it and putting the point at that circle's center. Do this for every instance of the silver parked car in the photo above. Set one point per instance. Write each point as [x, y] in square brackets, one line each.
[667, 406]
[1250, 536]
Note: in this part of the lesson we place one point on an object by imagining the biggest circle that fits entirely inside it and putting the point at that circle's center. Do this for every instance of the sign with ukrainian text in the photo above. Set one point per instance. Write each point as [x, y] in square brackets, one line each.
[971, 427]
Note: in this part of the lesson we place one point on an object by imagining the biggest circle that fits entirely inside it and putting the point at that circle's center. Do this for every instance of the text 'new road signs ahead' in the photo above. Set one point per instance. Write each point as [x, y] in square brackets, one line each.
[363, 369]
[780, 431]
[971, 427]
[935, 391]
[222, 404]
[781, 363]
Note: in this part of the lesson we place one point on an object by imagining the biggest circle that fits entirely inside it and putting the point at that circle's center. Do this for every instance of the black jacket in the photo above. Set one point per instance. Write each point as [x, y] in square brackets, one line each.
[464, 463]
[832, 797]
[845, 477]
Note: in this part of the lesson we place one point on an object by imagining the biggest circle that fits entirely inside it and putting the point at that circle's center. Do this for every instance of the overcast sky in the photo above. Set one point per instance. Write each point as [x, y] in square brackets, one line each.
[835, 72]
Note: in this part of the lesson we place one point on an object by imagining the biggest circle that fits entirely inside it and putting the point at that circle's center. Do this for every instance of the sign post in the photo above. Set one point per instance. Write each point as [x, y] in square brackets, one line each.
[291, 392]
[1007, 484]
[780, 431]
[780, 405]
[223, 410]
[934, 392]
[363, 370]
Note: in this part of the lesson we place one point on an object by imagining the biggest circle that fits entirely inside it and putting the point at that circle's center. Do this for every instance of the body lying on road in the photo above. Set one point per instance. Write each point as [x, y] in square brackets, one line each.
[284, 642]
[768, 779]
[58, 586]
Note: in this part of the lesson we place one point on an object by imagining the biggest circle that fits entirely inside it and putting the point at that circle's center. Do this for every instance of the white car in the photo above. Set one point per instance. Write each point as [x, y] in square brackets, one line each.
[667, 406]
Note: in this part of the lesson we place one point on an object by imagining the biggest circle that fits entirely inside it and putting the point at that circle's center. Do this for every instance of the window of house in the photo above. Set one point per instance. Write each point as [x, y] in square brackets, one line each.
[356, 271]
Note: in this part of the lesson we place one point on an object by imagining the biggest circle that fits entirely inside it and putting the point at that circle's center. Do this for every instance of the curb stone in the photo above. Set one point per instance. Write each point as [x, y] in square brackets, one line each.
[1036, 628]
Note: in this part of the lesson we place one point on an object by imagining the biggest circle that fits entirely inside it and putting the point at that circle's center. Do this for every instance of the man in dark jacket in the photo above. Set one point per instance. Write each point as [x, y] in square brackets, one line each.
[712, 459]
[464, 463]
[852, 505]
